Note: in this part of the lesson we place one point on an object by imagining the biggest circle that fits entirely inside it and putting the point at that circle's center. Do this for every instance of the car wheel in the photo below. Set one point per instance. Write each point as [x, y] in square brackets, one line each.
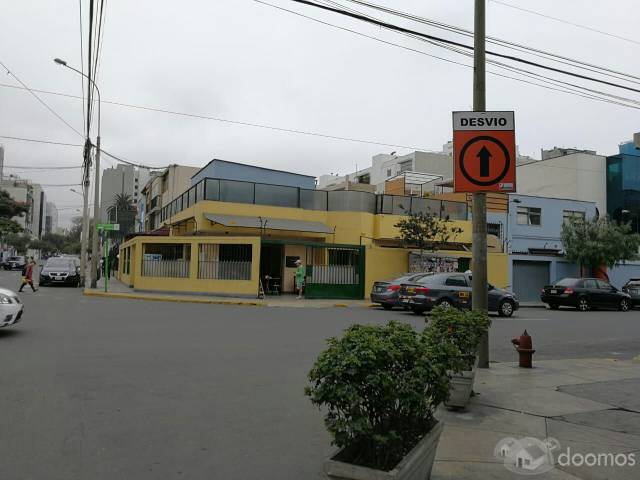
[445, 303]
[624, 305]
[554, 306]
[583, 304]
[505, 309]
[386, 306]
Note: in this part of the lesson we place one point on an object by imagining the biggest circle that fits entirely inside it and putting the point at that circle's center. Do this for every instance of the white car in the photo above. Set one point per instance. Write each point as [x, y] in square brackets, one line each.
[11, 308]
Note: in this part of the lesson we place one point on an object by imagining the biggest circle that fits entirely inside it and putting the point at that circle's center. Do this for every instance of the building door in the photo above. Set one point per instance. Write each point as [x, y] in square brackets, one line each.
[528, 279]
[271, 258]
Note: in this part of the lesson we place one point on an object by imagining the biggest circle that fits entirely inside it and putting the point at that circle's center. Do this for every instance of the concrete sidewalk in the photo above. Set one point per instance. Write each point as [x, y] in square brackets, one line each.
[588, 406]
[117, 289]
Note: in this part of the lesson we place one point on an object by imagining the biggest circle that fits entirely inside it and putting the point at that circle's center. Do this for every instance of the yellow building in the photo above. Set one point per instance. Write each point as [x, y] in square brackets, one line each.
[237, 238]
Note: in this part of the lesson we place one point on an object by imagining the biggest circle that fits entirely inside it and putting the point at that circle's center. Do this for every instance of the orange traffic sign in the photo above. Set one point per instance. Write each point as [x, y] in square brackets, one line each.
[484, 151]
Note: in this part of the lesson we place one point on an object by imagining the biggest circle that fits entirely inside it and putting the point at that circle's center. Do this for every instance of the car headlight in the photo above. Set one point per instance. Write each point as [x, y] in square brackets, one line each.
[5, 300]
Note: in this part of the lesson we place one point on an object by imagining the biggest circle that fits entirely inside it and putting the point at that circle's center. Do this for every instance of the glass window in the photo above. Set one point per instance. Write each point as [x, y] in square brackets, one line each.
[401, 205]
[529, 216]
[456, 281]
[212, 192]
[200, 191]
[405, 166]
[388, 172]
[234, 191]
[350, 201]
[572, 215]
[313, 199]
[386, 204]
[454, 210]
[185, 200]
[602, 285]
[589, 283]
[276, 195]
[192, 196]
[567, 282]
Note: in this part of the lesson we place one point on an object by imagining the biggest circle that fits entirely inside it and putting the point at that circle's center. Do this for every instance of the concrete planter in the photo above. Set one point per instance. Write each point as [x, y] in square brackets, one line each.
[461, 387]
[416, 465]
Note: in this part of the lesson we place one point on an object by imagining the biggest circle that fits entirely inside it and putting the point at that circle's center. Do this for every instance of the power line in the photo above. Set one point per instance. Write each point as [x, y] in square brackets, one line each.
[398, 28]
[496, 41]
[9, 72]
[234, 122]
[81, 57]
[59, 184]
[52, 167]
[22, 139]
[546, 80]
[578, 25]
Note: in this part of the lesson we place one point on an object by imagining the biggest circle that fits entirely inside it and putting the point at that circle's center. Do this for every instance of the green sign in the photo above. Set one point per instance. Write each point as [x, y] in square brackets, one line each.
[108, 226]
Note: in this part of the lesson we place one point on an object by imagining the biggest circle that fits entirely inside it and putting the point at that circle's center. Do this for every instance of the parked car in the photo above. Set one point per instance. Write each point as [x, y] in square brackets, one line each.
[60, 270]
[15, 263]
[632, 287]
[584, 294]
[453, 290]
[386, 292]
[11, 308]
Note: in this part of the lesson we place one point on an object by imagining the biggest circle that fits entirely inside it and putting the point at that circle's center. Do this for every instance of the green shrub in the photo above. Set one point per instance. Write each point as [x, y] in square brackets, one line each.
[380, 386]
[464, 328]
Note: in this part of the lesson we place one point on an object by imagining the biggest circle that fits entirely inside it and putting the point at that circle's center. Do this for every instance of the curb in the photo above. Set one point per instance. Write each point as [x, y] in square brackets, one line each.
[164, 298]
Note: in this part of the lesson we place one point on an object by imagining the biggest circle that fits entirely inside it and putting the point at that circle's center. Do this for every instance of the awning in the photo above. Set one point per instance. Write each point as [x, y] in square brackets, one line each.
[268, 223]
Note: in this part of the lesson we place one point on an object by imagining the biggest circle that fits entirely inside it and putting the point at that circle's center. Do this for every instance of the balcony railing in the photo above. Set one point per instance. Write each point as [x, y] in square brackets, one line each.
[220, 190]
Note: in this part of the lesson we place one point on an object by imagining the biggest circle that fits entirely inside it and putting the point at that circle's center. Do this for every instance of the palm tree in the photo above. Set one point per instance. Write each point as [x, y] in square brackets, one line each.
[123, 211]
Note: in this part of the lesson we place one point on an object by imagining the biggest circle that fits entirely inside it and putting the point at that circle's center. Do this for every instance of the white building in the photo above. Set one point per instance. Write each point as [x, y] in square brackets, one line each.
[31, 195]
[121, 180]
[566, 173]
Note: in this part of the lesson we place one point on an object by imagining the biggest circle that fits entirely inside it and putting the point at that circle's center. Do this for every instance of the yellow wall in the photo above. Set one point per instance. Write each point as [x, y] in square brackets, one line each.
[193, 283]
[350, 227]
[353, 228]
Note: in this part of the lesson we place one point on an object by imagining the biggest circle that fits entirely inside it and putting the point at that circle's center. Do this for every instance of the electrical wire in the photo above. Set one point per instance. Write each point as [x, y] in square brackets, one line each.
[22, 139]
[398, 28]
[51, 167]
[566, 88]
[234, 122]
[578, 25]
[9, 72]
[494, 40]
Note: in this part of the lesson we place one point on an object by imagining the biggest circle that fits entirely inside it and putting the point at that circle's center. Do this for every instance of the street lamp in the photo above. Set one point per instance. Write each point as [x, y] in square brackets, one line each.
[96, 202]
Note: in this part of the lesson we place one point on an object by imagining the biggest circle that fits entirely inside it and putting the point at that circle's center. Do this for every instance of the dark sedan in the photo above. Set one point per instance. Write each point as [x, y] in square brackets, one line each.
[386, 293]
[453, 290]
[584, 294]
[632, 287]
[14, 263]
[60, 270]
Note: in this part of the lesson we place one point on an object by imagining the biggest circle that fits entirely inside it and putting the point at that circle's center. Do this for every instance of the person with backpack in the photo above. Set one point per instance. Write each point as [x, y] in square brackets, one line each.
[27, 275]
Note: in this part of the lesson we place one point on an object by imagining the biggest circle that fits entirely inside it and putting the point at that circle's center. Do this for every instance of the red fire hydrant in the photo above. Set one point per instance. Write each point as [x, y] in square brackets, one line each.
[524, 346]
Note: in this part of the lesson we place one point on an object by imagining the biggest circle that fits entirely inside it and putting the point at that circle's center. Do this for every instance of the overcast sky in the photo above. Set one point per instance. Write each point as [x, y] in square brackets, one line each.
[240, 60]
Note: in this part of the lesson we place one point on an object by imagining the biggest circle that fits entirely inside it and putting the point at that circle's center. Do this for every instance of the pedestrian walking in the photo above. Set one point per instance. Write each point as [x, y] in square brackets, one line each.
[300, 274]
[27, 275]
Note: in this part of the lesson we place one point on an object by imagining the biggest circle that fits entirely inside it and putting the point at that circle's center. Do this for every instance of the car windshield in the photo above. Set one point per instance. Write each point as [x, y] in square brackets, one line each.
[567, 282]
[633, 283]
[59, 263]
[15, 259]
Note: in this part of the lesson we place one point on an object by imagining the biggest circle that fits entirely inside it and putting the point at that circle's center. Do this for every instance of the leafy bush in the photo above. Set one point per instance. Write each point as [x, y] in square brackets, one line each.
[380, 386]
[464, 328]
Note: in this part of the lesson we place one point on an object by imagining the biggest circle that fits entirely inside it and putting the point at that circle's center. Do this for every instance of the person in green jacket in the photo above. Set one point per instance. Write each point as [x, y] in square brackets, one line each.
[300, 274]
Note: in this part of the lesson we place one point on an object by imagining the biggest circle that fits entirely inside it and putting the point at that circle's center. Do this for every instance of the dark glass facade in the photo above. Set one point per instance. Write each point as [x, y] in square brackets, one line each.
[623, 188]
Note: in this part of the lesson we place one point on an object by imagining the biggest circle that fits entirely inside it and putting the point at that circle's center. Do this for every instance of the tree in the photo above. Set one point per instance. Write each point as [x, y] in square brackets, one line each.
[426, 231]
[19, 242]
[593, 243]
[9, 209]
[123, 211]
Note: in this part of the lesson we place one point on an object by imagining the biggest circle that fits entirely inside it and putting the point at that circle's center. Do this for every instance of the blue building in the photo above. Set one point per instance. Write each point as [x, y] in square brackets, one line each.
[249, 173]
[623, 185]
[531, 234]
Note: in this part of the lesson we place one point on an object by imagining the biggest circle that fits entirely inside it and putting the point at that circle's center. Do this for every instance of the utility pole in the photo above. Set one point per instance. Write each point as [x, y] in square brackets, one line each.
[95, 252]
[84, 241]
[479, 209]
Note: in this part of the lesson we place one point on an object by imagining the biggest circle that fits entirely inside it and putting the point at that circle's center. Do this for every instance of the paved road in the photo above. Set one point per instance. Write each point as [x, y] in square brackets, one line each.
[98, 389]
